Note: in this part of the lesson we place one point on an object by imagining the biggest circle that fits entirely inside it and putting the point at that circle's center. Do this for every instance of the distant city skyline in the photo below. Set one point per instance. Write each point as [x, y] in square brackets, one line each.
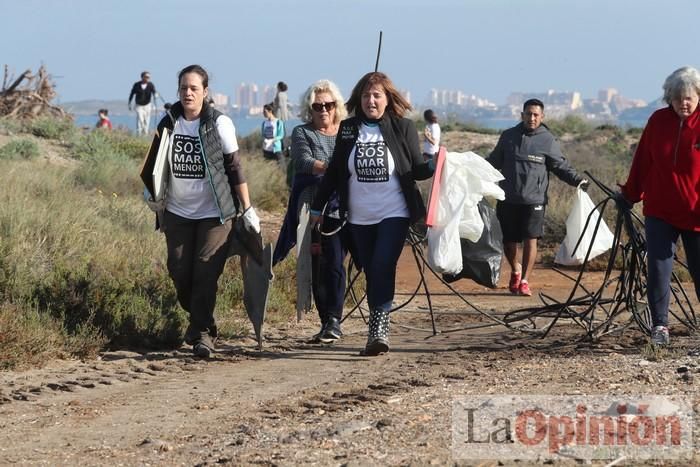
[488, 48]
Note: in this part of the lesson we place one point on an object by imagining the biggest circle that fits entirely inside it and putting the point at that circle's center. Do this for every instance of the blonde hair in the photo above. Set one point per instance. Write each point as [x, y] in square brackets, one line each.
[320, 87]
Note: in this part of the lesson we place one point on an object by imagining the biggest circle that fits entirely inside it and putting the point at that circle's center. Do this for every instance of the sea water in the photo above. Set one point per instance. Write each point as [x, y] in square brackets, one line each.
[244, 125]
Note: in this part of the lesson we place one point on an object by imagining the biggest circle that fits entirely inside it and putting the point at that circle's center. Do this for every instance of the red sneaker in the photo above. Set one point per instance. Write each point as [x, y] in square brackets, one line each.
[514, 284]
[525, 288]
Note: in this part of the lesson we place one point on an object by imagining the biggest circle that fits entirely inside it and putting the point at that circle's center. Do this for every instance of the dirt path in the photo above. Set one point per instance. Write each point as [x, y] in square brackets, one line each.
[297, 403]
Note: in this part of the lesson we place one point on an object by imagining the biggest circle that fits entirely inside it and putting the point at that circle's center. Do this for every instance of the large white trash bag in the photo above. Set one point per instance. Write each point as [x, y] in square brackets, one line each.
[466, 179]
[574, 228]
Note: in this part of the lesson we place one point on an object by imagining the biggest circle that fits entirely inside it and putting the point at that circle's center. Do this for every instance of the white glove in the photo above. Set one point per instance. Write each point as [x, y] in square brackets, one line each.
[251, 221]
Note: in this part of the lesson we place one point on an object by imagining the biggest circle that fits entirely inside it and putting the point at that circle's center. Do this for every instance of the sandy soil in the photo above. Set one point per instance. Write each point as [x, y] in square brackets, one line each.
[300, 403]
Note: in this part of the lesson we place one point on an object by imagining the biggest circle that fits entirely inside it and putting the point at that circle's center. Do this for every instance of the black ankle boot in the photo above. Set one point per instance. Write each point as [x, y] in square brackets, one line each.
[378, 335]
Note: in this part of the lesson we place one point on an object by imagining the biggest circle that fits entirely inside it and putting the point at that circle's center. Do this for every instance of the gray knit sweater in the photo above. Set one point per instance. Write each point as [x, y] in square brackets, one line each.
[309, 145]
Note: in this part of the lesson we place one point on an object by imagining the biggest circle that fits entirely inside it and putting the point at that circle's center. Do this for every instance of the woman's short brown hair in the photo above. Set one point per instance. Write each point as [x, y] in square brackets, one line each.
[396, 104]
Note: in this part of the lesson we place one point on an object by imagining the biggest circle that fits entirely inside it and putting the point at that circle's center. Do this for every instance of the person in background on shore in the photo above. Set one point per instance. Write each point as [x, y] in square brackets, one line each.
[431, 135]
[280, 103]
[525, 154]
[319, 263]
[144, 92]
[206, 189]
[665, 173]
[376, 161]
[103, 121]
[272, 132]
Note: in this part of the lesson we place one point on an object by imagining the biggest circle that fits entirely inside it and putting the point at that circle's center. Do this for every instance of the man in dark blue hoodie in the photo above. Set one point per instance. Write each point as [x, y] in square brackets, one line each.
[525, 154]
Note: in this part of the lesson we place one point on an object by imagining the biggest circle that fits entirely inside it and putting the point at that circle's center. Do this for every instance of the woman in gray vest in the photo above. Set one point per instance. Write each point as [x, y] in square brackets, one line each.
[206, 188]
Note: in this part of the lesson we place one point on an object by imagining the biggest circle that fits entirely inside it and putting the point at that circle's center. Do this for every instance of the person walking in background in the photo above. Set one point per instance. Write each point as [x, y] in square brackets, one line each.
[375, 164]
[280, 103]
[431, 135]
[665, 173]
[272, 132]
[206, 188]
[525, 154]
[144, 93]
[319, 267]
[103, 121]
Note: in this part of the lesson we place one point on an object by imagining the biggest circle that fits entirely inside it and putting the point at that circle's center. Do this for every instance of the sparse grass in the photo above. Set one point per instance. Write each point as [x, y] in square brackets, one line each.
[10, 126]
[655, 353]
[267, 182]
[21, 148]
[60, 129]
[81, 267]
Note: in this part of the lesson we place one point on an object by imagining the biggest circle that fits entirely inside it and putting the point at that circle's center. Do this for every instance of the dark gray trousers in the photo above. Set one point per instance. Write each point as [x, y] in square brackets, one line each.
[197, 252]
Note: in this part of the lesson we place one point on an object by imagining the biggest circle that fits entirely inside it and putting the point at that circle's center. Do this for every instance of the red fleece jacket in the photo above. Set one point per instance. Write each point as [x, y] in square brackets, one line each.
[665, 172]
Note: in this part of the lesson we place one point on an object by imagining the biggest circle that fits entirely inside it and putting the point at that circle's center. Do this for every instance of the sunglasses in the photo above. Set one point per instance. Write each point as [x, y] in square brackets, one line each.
[318, 107]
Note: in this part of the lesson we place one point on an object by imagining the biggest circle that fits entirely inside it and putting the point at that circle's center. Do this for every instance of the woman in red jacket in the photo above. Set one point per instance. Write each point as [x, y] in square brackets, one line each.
[665, 173]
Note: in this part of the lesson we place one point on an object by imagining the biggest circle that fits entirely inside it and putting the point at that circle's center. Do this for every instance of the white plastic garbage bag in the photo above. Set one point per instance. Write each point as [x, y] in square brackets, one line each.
[575, 223]
[466, 179]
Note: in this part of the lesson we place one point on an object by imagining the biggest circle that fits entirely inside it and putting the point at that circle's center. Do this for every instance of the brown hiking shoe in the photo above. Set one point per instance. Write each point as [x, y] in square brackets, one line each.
[204, 347]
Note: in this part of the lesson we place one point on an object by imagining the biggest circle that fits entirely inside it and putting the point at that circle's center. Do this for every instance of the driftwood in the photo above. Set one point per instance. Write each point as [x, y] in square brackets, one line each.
[28, 96]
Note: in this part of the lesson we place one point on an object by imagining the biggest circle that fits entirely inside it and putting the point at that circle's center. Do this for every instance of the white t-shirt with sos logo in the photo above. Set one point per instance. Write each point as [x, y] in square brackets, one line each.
[190, 193]
[374, 189]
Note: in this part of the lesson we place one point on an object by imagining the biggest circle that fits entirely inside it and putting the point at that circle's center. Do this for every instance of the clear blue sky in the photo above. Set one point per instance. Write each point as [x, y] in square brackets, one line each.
[483, 47]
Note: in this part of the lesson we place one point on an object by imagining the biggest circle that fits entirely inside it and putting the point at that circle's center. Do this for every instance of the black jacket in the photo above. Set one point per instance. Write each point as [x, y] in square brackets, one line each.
[401, 138]
[525, 160]
[143, 96]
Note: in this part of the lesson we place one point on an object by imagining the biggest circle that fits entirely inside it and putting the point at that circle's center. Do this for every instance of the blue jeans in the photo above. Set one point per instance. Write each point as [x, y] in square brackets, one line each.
[378, 247]
[661, 245]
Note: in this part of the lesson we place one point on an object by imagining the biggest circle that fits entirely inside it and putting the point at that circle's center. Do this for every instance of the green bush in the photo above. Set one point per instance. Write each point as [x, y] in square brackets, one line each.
[110, 161]
[22, 148]
[267, 182]
[112, 174]
[124, 143]
[52, 128]
[472, 127]
[10, 126]
[253, 142]
[571, 124]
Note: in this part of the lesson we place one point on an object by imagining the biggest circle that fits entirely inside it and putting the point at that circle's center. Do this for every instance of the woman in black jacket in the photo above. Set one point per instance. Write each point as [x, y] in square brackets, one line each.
[376, 161]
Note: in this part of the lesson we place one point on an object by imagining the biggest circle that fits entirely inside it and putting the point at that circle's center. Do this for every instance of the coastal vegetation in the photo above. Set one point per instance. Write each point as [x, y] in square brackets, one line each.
[82, 269]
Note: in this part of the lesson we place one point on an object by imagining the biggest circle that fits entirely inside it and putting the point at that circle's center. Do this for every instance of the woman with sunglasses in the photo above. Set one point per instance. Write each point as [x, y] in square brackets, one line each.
[320, 268]
[376, 162]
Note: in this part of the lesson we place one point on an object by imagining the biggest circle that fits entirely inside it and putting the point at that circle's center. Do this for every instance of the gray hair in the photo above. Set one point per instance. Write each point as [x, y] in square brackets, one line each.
[682, 80]
[319, 87]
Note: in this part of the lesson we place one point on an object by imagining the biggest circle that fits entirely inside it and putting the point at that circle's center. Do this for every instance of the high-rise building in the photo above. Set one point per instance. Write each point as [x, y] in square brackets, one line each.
[220, 101]
[247, 95]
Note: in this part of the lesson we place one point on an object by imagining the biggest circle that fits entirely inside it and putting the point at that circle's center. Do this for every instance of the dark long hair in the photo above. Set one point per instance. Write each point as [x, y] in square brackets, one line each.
[194, 69]
[396, 104]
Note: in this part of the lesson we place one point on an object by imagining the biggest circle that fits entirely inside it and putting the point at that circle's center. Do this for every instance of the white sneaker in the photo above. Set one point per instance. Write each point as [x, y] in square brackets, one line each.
[659, 336]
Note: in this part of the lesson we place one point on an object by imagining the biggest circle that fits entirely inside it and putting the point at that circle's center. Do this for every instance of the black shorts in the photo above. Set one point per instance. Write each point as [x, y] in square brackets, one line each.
[520, 221]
